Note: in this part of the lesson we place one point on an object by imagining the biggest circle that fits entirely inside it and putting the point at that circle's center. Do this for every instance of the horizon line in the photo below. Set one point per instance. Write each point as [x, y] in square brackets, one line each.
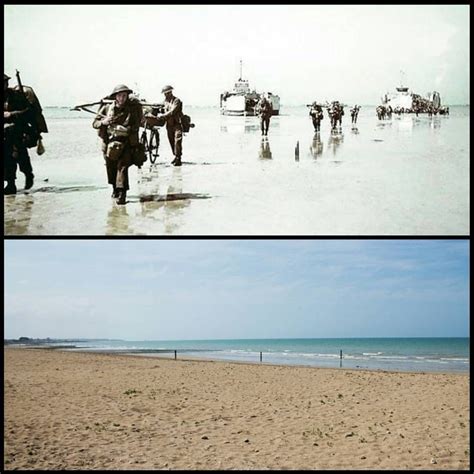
[239, 339]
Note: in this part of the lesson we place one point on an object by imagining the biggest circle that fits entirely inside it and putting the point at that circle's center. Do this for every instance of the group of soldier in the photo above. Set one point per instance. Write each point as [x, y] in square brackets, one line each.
[117, 121]
[335, 111]
[118, 125]
[386, 111]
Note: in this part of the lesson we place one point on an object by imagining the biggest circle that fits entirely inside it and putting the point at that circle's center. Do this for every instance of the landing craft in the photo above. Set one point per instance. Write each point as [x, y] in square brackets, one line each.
[242, 101]
[405, 99]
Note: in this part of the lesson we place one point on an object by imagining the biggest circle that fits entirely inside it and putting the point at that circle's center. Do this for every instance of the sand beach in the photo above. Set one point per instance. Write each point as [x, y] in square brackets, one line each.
[69, 410]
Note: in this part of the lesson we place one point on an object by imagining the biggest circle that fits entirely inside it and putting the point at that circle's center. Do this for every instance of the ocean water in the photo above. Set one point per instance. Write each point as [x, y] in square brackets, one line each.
[398, 354]
[404, 176]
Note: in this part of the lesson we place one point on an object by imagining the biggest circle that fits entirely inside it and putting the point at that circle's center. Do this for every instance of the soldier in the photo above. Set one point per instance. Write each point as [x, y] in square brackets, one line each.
[118, 124]
[264, 110]
[316, 113]
[173, 115]
[355, 113]
[18, 118]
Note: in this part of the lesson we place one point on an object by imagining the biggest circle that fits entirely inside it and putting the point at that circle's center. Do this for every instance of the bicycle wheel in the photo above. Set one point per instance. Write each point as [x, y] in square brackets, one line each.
[144, 142]
[154, 144]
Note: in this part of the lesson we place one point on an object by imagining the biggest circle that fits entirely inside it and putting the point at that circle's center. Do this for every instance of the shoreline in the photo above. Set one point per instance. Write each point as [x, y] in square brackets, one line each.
[67, 410]
[230, 361]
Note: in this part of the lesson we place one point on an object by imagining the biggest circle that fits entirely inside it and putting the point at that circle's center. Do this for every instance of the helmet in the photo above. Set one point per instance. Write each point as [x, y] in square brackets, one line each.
[166, 89]
[5, 77]
[120, 88]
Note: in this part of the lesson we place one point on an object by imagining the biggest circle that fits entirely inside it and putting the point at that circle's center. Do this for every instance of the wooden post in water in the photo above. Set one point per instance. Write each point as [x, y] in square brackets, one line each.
[340, 359]
[175, 352]
[297, 151]
[260, 357]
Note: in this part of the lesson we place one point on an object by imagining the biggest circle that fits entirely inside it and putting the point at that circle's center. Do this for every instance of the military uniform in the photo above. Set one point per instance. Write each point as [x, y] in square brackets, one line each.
[173, 114]
[15, 127]
[355, 113]
[119, 140]
[264, 110]
[316, 113]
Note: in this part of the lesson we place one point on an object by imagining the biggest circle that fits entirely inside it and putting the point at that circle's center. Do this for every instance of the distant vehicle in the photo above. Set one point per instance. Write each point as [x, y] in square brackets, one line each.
[242, 101]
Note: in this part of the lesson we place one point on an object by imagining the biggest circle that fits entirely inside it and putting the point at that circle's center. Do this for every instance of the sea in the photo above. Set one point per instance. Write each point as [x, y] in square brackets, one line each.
[404, 176]
[444, 354]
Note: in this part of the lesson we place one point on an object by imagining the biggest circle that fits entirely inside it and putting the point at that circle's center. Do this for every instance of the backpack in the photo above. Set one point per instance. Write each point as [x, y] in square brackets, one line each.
[186, 123]
[38, 120]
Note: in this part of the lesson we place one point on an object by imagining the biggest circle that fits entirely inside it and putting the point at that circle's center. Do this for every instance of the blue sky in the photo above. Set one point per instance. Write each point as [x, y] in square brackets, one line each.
[212, 289]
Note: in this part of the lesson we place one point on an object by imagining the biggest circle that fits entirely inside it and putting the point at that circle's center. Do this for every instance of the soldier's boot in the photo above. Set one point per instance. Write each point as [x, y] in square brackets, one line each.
[177, 161]
[121, 196]
[29, 179]
[115, 192]
[10, 188]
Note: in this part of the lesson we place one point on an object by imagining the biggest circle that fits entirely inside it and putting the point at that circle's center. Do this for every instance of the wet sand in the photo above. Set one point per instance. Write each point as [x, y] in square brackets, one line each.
[407, 176]
[66, 410]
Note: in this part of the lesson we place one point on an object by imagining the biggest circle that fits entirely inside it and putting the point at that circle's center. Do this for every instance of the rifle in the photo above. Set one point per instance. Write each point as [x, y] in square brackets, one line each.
[20, 85]
[85, 107]
[33, 135]
[100, 103]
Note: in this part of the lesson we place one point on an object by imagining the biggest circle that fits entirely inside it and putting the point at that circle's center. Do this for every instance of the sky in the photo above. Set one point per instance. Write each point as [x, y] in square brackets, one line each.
[74, 54]
[231, 289]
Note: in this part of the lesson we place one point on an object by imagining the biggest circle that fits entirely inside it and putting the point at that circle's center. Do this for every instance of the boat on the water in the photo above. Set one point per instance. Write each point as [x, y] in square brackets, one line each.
[242, 100]
[405, 99]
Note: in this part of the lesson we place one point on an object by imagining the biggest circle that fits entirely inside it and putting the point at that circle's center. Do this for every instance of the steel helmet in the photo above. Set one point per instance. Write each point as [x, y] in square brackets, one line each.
[120, 88]
[166, 89]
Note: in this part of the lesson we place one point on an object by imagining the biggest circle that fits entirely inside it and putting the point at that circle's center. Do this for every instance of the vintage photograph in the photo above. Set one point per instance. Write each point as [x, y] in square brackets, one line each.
[236, 120]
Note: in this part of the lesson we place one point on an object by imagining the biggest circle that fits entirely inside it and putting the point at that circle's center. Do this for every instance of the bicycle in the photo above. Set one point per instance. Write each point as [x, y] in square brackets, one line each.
[150, 139]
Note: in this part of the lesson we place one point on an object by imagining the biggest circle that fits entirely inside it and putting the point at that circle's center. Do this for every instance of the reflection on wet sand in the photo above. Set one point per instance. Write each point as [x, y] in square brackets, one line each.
[355, 130]
[316, 147]
[264, 152]
[21, 211]
[171, 204]
[118, 220]
[173, 208]
[335, 141]
[435, 123]
[239, 125]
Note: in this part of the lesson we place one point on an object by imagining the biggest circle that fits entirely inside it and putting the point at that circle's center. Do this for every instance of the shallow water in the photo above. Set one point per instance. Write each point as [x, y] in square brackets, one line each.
[405, 176]
[405, 354]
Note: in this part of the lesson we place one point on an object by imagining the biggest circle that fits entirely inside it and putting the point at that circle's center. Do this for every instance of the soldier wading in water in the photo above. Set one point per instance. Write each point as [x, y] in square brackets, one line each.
[264, 110]
[19, 133]
[316, 114]
[173, 116]
[118, 124]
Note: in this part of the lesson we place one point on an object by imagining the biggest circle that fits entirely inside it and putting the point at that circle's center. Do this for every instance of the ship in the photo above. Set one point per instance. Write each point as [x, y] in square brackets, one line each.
[405, 99]
[242, 100]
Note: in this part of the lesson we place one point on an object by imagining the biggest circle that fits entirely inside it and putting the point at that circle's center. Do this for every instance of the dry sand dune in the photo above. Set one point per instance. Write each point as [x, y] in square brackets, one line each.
[66, 410]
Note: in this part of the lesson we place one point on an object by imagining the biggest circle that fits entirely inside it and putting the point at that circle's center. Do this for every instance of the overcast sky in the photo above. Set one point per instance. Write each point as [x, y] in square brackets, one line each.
[206, 289]
[76, 54]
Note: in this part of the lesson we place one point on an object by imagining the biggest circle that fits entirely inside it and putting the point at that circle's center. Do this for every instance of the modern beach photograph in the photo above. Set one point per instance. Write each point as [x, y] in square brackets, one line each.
[236, 120]
[208, 354]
